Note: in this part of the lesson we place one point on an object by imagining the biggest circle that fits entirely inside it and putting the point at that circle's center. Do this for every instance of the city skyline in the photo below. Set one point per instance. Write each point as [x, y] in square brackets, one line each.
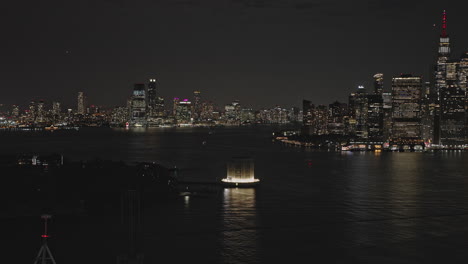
[281, 51]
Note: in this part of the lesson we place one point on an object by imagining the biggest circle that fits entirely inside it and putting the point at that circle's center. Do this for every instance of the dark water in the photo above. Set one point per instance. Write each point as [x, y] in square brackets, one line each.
[312, 206]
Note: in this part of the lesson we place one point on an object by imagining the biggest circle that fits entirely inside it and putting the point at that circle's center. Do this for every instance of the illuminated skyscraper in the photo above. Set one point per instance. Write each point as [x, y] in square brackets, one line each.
[138, 106]
[184, 112]
[406, 110]
[56, 110]
[307, 117]
[32, 112]
[440, 74]
[197, 105]
[336, 118]
[375, 112]
[81, 109]
[378, 83]
[359, 105]
[452, 106]
[151, 98]
[40, 117]
[175, 104]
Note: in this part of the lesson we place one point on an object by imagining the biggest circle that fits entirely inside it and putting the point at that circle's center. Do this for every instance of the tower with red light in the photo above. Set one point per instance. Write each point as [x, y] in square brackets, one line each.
[45, 256]
[444, 42]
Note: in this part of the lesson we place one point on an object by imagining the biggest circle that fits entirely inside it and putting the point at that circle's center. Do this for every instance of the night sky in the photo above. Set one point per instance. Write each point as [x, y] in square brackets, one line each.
[262, 53]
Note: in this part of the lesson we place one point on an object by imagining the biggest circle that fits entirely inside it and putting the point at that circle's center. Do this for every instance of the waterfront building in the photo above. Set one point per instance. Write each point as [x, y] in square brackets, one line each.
[336, 118]
[359, 111]
[184, 112]
[197, 106]
[232, 113]
[207, 111]
[151, 99]
[154, 104]
[375, 116]
[119, 116]
[138, 106]
[452, 107]
[406, 110]
[307, 117]
[387, 115]
[247, 116]
[315, 119]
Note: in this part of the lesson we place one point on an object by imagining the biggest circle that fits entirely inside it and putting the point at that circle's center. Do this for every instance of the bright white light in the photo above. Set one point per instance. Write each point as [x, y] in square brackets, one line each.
[240, 180]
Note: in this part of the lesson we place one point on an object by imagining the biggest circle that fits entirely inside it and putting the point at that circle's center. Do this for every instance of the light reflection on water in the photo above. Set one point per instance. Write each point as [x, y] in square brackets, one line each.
[240, 223]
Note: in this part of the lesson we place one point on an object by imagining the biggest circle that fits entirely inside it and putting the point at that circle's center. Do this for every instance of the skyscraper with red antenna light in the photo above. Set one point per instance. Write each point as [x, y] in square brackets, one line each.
[440, 73]
[450, 89]
[443, 56]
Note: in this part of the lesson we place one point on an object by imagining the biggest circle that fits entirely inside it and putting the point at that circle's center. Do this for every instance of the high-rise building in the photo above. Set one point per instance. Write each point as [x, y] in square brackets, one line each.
[175, 104]
[207, 111]
[336, 118]
[452, 107]
[307, 117]
[155, 103]
[81, 108]
[378, 83]
[375, 116]
[151, 99]
[56, 110]
[197, 105]
[387, 115]
[184, 112]
[440, 74]
[15, 111]
[119, 116]
[359, 104]
[138, 106]
[40, 117]
[406, 110]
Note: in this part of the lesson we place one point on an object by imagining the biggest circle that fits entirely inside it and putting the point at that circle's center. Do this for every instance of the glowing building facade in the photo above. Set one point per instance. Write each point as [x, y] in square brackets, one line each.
[406, 110]
[138, 106]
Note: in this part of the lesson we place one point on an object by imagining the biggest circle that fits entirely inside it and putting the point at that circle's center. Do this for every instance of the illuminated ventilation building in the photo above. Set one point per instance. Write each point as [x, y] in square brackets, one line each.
[81, 108]
[240, 173]
[138, 106]
[406, 110]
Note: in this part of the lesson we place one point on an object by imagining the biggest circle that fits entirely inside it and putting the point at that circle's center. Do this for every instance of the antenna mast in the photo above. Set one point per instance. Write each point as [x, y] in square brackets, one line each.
[45, 256]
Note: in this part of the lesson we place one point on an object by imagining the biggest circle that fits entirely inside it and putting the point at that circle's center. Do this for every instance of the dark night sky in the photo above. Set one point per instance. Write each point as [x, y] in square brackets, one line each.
[260, 52]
